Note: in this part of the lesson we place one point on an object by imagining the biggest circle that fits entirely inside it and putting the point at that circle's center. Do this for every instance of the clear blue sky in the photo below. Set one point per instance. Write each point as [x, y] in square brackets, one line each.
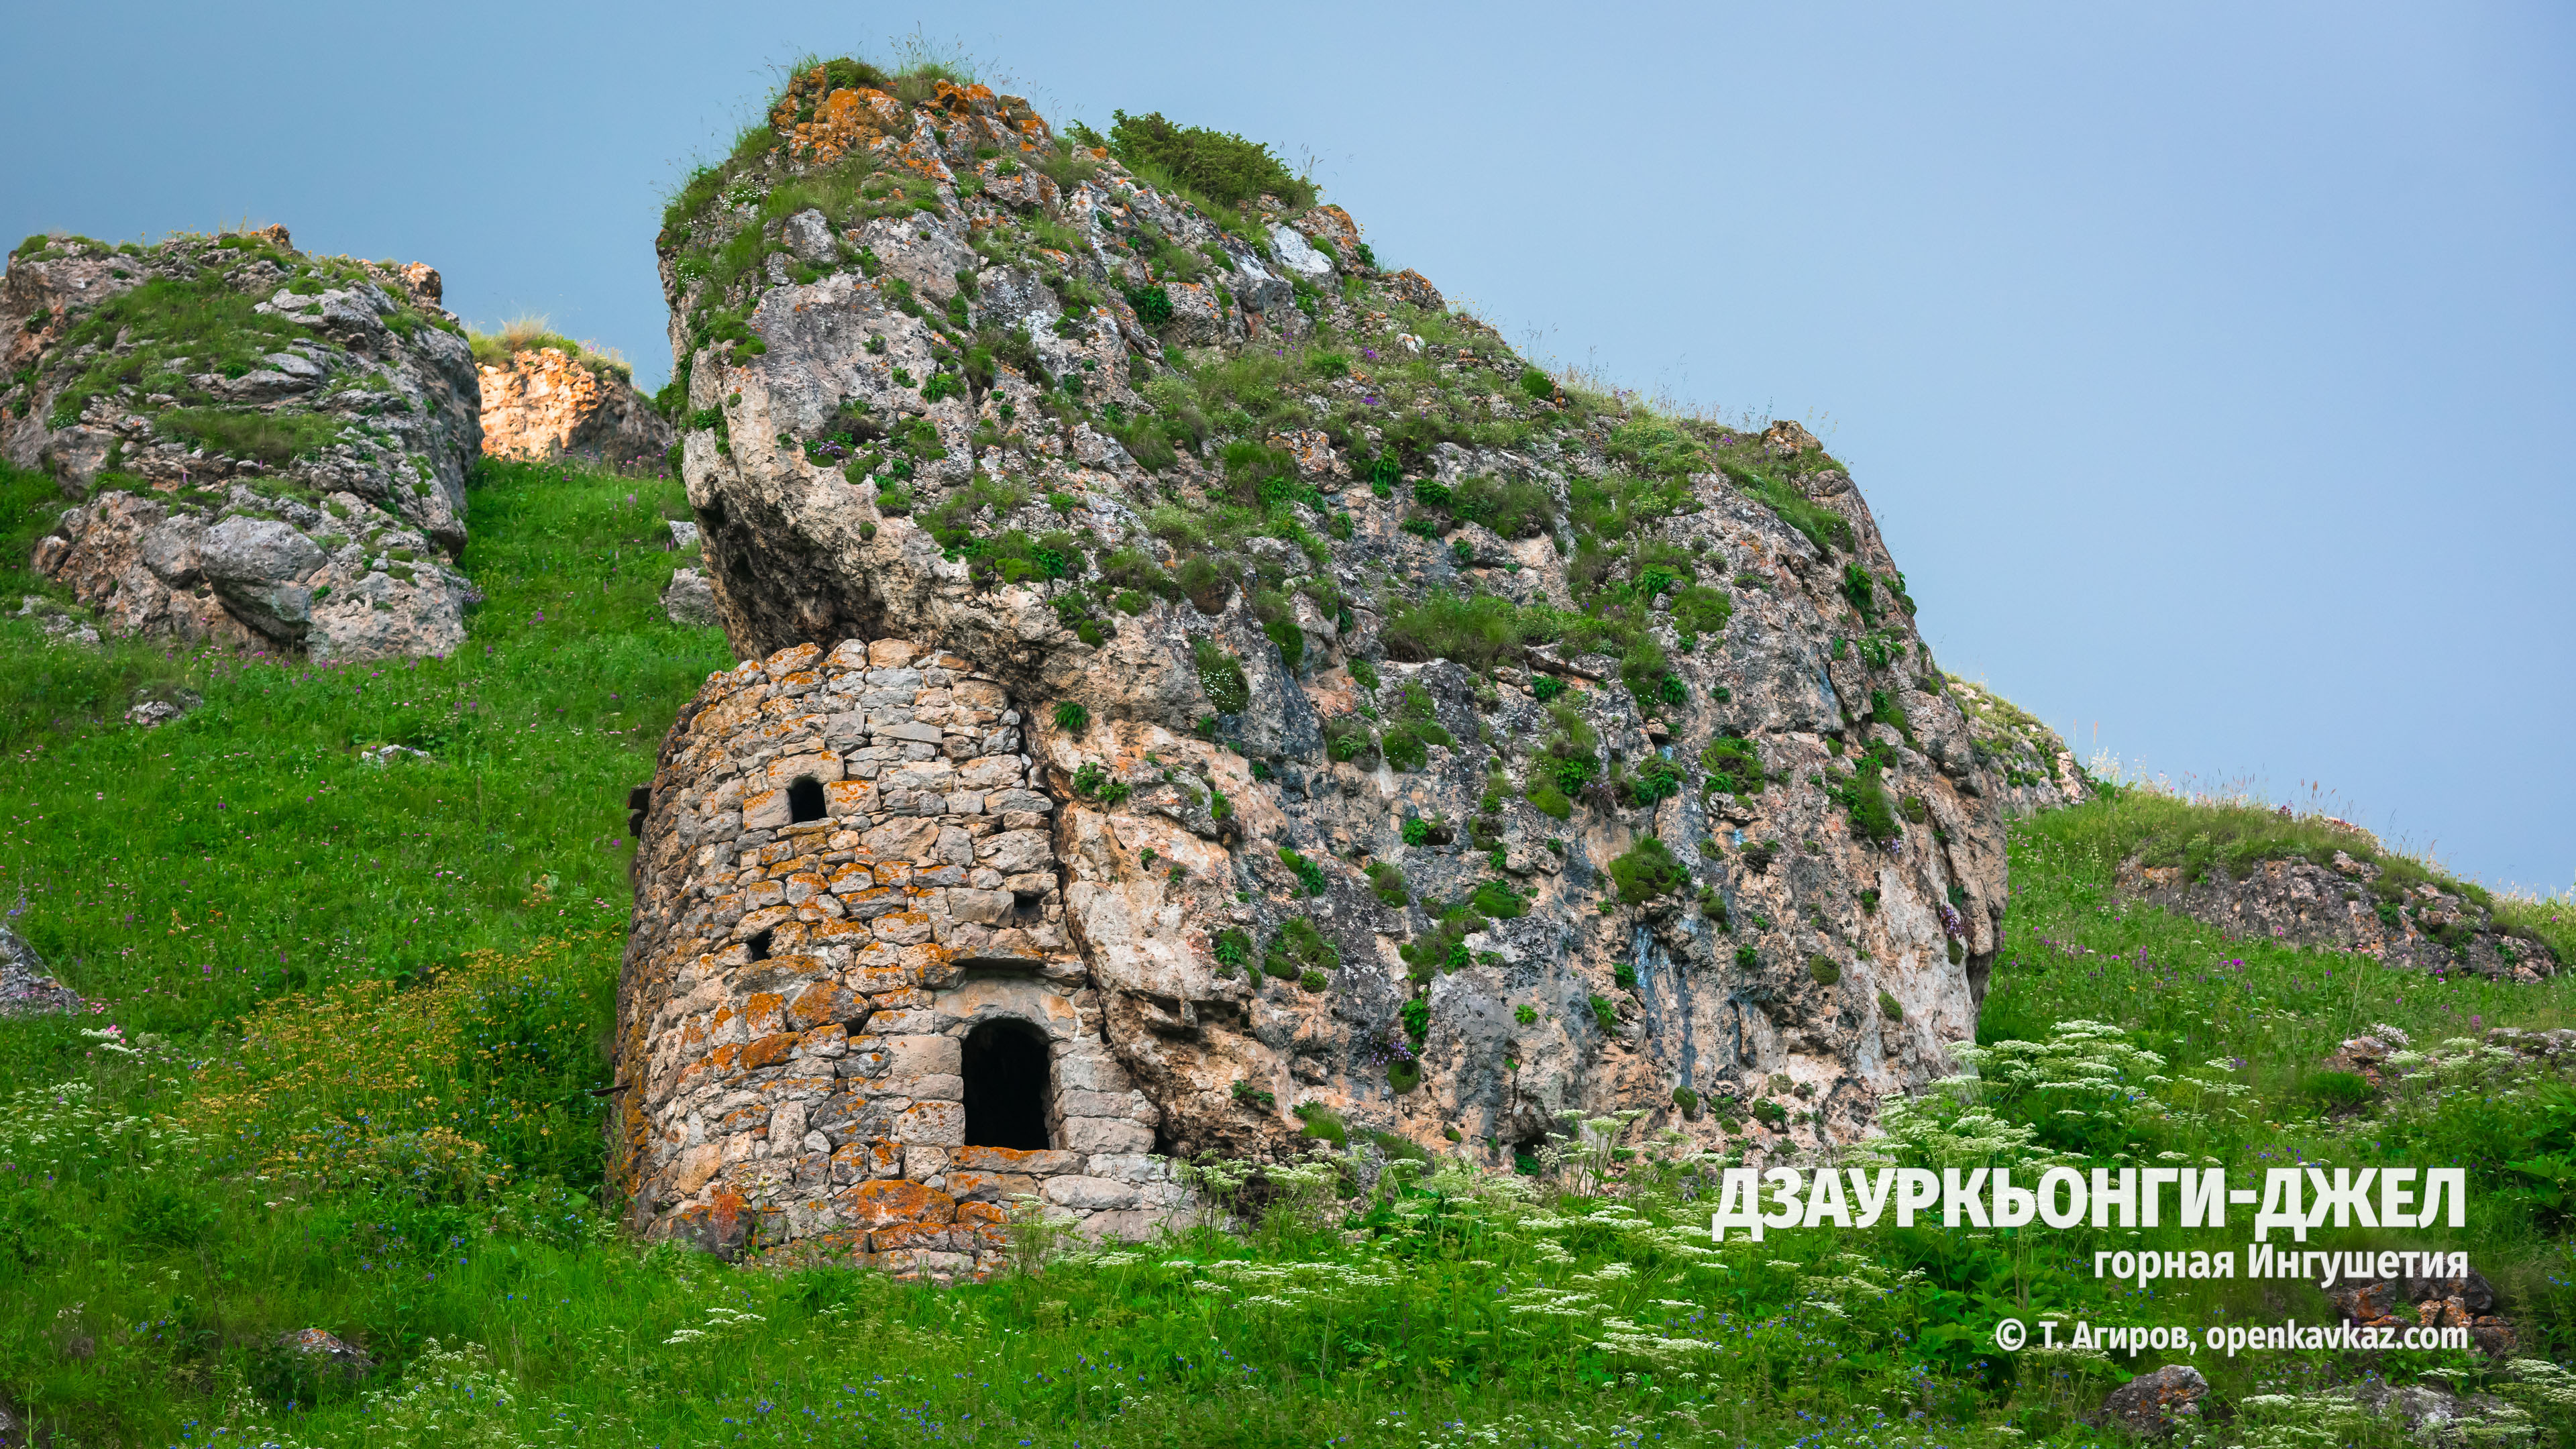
[2199, 360]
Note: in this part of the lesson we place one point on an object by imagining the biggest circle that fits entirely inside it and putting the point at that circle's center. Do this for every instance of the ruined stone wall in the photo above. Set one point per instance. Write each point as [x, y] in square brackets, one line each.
[544, 402]
[799, 994]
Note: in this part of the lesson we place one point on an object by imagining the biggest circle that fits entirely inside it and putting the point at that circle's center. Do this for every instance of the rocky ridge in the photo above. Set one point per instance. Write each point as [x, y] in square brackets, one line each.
[2364, 906]
[2029, 762]
[264, 448]
[1441, 753]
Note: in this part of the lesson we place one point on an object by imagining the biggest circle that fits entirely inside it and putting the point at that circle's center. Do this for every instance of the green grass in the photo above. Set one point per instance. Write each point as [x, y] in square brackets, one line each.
[200, 318]
[273, 438]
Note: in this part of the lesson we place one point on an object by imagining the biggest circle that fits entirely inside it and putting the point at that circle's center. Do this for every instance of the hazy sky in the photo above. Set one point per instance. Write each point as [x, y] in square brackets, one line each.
[2198, 360]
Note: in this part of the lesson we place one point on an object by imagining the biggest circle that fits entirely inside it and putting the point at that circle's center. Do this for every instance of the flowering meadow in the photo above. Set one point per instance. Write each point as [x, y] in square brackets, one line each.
[343, 1067]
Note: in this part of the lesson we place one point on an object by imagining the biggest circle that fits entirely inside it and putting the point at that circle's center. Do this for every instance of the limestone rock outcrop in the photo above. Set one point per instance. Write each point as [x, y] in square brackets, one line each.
[263, 448]
[2348, 904]
[1432, 748]
[2029, 763]
[546, 402]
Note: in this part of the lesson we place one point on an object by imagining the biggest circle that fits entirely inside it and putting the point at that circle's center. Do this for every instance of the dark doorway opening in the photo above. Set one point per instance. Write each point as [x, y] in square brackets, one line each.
[804, 801]
[1005, 1065]
[759, 946]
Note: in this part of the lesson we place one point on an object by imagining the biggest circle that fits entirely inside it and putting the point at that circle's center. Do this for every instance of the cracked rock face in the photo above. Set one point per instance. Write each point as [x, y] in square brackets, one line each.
[263, 449]
[1433, 751]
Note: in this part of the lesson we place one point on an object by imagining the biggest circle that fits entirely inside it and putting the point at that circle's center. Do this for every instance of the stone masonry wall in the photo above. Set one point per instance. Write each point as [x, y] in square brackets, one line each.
[544, 402]
[796, 994]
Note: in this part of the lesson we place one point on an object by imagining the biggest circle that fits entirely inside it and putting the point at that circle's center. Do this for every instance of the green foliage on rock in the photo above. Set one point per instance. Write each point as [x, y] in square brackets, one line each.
[1221, 677]
[1218, 166]
[1646, 870]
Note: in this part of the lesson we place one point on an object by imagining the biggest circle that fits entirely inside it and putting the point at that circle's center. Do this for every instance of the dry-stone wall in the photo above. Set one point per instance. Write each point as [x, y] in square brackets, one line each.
[543, 402]
[850, 1018]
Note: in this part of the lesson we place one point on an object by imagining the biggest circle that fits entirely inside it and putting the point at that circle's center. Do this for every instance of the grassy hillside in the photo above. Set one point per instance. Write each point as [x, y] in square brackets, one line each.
[348, 1019]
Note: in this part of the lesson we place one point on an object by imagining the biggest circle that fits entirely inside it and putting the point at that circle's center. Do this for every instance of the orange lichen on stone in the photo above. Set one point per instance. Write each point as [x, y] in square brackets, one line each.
[888, 1201]
[841, 121]
[768, 1050]
[959, 100]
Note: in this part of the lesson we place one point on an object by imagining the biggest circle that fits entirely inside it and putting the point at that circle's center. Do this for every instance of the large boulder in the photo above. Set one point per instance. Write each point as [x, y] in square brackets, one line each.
[261, 448]
[553, 400]
[1434, 749]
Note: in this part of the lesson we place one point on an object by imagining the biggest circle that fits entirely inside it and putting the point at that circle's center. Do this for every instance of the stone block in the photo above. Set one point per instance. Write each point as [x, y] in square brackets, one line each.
[937, 1124]
[1012, 1159]
[1132, 1225]
[887, 1201]
[851, 1164]
[764, 810]
[824, 1003]
[1107, 1104]
[822, 767]
[1017, 852]
[1106, 1134]
[991, 772]
[845, 798]
[939, 1088]
[929, 1055]
[900, 1023]
[983, 908]
[691, 1170]
[937, 1237]
[1139, 1167]
[768, 1050]
[981, 1214]
[1088, 1194]
[989, 1187]
[902, 928]
[876, 980]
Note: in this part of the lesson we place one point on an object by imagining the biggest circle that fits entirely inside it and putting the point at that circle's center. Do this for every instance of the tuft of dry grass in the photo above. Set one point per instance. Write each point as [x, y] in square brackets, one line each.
[534, 331]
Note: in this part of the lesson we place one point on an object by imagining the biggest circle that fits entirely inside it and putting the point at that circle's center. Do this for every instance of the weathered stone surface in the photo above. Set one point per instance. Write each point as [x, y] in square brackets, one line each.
[25, 988]
[544, 402]
[2346, 907]
[688, 599]
[338, 1356]
[2153, 1405]
[304, 492]
[60, 625]
[2428, 1413]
